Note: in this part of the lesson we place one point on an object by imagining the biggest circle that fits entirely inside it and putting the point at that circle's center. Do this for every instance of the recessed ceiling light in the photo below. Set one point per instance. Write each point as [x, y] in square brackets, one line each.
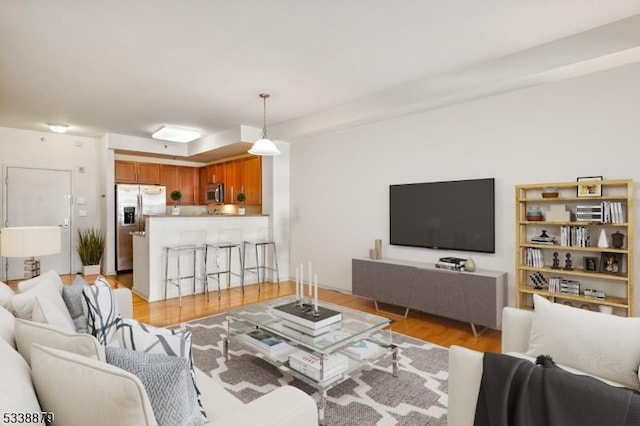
[58, 127]
[176, 134]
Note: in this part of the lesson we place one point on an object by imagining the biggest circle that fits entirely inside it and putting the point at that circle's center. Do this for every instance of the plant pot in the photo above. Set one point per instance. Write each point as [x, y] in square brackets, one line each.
[241, 211]
[91, 270]
[175, 210]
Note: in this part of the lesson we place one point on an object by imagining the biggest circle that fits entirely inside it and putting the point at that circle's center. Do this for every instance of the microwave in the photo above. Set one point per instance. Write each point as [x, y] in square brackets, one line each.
[214, 193]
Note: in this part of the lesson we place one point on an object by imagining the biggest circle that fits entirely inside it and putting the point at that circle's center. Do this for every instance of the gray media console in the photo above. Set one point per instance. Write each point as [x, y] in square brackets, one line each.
[476, 298]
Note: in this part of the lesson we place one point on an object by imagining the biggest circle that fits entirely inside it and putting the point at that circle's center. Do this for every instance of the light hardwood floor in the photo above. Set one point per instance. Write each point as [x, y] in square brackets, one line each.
[438, 330]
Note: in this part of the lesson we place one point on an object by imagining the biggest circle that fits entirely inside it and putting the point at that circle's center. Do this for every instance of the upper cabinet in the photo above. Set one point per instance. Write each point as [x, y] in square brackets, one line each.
[181, 178]
[135, 172]
[251, 182]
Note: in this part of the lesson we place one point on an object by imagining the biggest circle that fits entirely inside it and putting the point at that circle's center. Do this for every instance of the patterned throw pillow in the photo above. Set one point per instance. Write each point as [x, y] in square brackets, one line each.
[168, 383]
[72, 296]
[102, 319]
[142, 337]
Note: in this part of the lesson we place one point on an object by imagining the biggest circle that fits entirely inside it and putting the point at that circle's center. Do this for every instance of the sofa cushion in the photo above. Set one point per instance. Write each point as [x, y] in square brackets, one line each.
[51, 276]
[16, 393]
[72, 297]
[46, 288]
[109, 395]
[6, 293]
[102, 310]
[28, 332]
[167, 380]
[6, 326]
[606, 346]
[44, 311]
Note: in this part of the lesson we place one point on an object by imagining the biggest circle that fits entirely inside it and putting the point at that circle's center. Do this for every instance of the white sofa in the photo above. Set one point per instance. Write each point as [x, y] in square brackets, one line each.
[583, 342]
[74, 388]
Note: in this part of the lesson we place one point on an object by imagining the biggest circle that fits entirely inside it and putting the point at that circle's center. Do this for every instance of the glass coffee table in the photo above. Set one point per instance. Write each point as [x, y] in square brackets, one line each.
[355, 331]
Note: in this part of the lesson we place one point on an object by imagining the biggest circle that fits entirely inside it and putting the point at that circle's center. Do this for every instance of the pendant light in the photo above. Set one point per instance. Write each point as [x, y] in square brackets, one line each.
[264, 146]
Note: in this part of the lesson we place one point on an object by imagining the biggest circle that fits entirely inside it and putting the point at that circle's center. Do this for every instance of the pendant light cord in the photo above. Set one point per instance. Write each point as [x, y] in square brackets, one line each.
[264, 97]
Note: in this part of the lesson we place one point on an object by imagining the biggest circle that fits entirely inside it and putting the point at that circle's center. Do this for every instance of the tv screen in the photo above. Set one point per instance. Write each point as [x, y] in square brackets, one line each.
[454, 215]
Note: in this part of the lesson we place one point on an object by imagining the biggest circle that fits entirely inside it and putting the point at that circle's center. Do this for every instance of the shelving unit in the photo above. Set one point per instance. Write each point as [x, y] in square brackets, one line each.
[618, 287]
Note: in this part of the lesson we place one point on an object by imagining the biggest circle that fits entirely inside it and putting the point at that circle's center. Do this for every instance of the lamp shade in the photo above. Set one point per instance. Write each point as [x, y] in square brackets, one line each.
[29, 241]
[264, 147]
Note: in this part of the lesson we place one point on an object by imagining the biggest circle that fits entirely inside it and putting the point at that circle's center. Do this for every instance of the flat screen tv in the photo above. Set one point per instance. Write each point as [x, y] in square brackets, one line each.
[454, 215]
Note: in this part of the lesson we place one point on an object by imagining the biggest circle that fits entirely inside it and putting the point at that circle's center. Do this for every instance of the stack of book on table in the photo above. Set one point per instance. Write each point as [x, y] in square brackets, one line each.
[451, 263]
[267, 343]
[309, 364]
[295, 317]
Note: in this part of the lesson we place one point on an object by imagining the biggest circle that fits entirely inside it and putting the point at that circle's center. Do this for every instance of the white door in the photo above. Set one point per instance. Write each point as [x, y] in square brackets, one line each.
[39, 197]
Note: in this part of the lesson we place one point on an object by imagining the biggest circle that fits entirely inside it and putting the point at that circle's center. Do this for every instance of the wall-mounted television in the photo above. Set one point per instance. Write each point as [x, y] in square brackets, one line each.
[453, 215]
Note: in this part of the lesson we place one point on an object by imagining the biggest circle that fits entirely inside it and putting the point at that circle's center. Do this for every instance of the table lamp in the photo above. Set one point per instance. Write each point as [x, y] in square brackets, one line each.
[30, 241]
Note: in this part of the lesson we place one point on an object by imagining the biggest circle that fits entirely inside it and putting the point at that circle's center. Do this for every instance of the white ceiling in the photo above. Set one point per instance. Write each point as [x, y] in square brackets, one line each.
[129, 67]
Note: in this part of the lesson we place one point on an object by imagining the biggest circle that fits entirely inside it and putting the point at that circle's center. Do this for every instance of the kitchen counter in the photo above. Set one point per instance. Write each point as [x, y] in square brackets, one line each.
[174, 230]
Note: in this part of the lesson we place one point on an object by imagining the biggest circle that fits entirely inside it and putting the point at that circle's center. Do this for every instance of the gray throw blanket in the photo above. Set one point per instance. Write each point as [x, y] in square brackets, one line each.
[516, 392]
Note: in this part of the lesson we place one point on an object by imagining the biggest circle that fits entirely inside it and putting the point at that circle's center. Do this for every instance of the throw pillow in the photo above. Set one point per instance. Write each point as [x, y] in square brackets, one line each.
[102, 311]
[61, 379]
[28, 332]
[50, 276]
[22, 302]
[72, 296]
[7, 321]
[17, 394]
[604, 345]
[167, 380]
[142, 337]
[44, 311]
[6, 293]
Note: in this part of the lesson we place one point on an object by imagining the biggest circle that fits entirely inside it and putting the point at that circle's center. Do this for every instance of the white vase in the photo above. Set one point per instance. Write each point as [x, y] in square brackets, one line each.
[603, 241]
[175, 210]
[469, 265]
[91, 270]
[241, 211]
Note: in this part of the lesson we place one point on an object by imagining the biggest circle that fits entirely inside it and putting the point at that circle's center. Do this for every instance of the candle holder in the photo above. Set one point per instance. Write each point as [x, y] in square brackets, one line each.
[306, 306]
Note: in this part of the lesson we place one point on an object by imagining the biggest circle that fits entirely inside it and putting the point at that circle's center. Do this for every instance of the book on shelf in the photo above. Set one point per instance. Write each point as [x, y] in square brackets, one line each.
[266, 342]
[450, 266]
[295, 314]
[362, 349]
[309, 364]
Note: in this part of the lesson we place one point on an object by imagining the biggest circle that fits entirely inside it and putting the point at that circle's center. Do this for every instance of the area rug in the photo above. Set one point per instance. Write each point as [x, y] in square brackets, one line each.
[372, 397]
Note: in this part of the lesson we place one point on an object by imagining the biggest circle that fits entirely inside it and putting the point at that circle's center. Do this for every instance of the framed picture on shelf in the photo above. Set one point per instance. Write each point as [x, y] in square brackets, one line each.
[611, 263]
[590, 263]
[588, 186]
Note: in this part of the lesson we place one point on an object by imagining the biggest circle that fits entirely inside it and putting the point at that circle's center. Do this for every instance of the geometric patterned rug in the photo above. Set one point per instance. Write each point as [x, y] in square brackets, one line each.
[418, 396]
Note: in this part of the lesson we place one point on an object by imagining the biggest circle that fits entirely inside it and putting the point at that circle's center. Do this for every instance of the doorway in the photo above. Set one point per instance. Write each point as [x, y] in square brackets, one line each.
[39, 197]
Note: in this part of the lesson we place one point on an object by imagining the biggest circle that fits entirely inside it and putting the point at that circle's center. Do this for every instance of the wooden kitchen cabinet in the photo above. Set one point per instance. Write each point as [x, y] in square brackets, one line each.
[135, 172]
[252, 180]
[181, 178]
[231, 181]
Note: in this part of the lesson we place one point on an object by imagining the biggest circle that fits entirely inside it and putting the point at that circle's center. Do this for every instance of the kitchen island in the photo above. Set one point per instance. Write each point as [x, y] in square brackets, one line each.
[163, 231]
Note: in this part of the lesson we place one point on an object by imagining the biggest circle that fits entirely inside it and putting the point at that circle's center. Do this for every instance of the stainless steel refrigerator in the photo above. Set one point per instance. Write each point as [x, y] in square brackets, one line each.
[132, 203]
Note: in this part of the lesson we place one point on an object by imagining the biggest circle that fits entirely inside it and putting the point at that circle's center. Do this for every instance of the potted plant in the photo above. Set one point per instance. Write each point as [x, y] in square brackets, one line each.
[241, 198]
[90, 248]
[176, 196]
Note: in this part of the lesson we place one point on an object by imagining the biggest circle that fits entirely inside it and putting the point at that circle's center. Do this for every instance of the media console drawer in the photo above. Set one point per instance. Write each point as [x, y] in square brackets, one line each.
[477, 298]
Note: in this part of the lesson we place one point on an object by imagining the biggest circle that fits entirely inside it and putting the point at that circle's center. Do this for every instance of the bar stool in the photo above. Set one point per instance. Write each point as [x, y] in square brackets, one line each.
[228, 239]
[260, 246]
[191, 251]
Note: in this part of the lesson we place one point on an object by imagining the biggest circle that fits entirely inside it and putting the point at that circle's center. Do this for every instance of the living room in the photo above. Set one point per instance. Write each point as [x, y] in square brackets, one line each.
[546, 112]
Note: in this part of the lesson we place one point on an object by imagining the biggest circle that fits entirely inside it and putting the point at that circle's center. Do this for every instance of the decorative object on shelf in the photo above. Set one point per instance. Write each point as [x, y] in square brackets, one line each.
[617, 239]
[241, 199]
[176, 196]
[568, 263]
[556, 261]
[470, 265]
[600, 294]
[585, 307]
[590, 213]
[611, 263]
[538, 280]
[378, 247]
[534, 214]
[544, 238]
[550, 192]
[589, 186]
[264, 146]
[558, 213]
[91, 248]
[603, 241]
[590, 263]
[606, 309]
[373, 254]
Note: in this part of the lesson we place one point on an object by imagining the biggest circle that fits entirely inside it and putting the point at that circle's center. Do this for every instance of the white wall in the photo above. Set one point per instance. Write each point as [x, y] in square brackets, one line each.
[26, 148]
[555, 132]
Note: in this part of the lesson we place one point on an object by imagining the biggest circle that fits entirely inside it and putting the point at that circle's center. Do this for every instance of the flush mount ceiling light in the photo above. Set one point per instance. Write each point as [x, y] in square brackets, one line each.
[176, 134]
[264, 146]
[58, 127]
